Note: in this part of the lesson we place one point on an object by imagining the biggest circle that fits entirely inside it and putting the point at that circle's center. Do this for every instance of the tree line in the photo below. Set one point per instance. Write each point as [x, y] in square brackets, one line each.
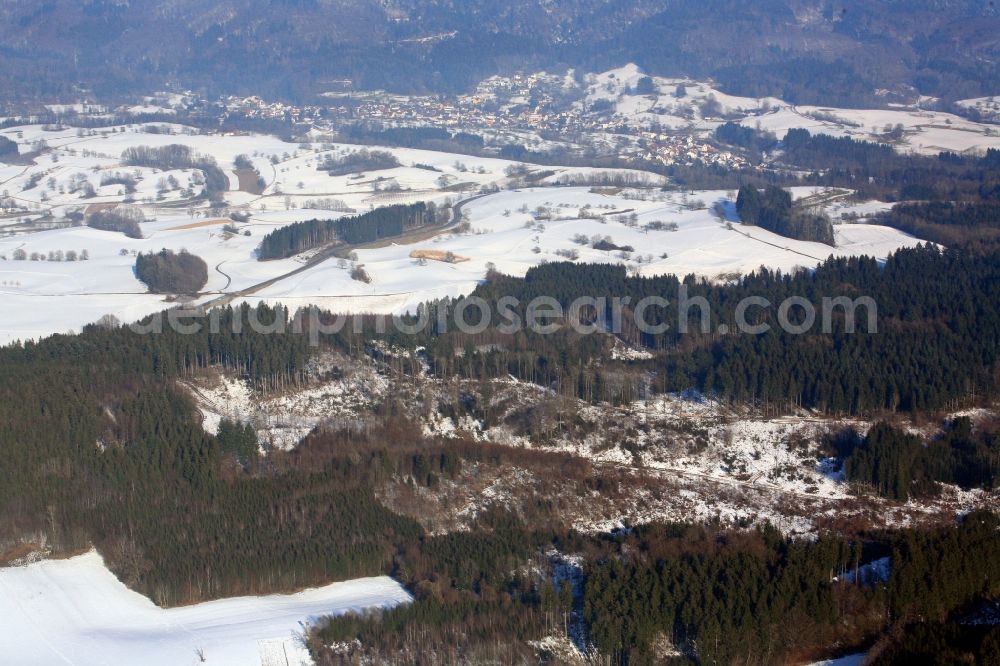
[759, 598]
[357, 161]
[773, 210]
[900, 465]
[873, 169]
[937, 327]
[711, 595]
[385, 222]
[122, 218]
[947, 222]
[178, 156]
[169, 272]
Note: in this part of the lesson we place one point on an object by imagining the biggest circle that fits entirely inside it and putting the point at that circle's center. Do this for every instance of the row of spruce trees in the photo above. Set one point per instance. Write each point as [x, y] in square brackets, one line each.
[385, 222]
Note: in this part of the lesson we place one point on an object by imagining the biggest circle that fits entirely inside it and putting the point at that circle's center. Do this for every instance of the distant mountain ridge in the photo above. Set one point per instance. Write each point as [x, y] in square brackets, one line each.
[807, 51]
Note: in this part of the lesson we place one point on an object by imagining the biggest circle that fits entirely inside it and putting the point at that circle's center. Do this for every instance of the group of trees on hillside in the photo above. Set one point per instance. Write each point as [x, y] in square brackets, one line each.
[469, 596]
[873, 170]
[183, 516]
[238, 439]
[7, 147]
[385, 222]
[773, 210]
[165, 506]
[930, 341]
[357, 161]
[428, 138]
[935, 345]
[169, 272]
[900, 465]
[178, 156]
[244, 169]
[947, 222]
[876, 170]
[122, 218]
[753, 141]
[729, 598]
[805, 149]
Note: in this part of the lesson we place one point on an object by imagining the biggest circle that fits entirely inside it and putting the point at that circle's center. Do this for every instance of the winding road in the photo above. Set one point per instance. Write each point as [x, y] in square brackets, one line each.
[340, 251]
[229, 279]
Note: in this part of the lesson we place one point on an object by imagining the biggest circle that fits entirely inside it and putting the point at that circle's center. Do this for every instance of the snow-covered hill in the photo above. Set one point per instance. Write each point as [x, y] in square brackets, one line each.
[563, 216]
[76, 612]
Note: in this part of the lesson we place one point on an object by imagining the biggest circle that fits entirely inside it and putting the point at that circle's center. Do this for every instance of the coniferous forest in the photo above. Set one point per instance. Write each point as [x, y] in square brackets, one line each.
[368, 227]
[102, 446]
[169, 272]
[873, 170]
[773, 210]
[900, 465]
[934, 343]
[497, 453]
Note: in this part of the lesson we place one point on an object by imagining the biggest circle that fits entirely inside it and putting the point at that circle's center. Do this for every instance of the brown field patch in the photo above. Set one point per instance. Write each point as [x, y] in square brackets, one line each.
[98, 207]
[249, 181]
[199, 225]
[438, 255]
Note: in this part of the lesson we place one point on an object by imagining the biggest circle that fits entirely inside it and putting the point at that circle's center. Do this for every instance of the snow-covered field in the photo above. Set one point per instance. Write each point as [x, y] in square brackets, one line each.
[515, 230]
[657, 232]
[924, 132]
[76, 612]
[987, 107]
